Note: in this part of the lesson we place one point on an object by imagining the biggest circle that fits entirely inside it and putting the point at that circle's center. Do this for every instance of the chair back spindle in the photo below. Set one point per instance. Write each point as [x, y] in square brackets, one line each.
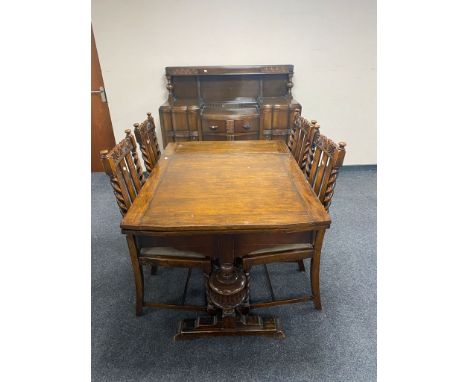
[123, 167]
[145, 134]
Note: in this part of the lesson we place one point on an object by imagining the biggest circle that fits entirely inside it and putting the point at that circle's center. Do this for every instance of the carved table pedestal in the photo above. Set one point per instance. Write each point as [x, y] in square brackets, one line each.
[228, 301]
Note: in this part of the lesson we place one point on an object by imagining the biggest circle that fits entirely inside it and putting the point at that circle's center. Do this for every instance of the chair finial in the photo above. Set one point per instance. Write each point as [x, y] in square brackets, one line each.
[103, 153]
[148, 114]
[128, 132]
[136, 124]
[342, 145]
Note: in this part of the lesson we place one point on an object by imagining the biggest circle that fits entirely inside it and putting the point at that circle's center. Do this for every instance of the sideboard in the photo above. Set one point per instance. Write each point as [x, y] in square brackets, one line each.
[228, 103]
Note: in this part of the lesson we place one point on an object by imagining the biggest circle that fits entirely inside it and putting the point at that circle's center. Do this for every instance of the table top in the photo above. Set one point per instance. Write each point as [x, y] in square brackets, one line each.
[226, 186]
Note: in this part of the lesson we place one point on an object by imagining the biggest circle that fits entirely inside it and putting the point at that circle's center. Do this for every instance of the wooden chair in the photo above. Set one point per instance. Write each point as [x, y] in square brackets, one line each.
[123, 167]
[145, 134]
[322, 163]
[299, 141]
[300, 138]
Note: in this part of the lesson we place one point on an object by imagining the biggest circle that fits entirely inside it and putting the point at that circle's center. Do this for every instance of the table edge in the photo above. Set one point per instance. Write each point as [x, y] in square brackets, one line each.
[200, 230]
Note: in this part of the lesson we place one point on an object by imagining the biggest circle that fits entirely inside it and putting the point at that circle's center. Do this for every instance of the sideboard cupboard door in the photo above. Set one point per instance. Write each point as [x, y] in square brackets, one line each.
[277, 121]
[180, 124]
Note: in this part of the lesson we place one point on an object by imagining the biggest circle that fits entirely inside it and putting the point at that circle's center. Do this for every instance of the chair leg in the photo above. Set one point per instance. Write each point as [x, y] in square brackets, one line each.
[186, 285]
[244, 308]
[154, 270]
[315, 284]
[315, 270]
[269, 282]
[301, 265]
[137, 273]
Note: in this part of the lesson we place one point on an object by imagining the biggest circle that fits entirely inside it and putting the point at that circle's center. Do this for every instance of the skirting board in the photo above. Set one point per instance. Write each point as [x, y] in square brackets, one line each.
[359, 167]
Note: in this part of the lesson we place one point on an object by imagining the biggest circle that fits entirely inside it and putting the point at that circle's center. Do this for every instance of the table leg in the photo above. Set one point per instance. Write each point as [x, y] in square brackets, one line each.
[227, 291]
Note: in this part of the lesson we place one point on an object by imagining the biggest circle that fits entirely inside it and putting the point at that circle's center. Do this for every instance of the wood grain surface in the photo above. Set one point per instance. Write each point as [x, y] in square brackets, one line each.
[226, 187]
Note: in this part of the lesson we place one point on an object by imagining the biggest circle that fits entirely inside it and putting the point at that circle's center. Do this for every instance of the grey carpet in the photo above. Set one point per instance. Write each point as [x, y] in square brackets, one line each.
[336, 344]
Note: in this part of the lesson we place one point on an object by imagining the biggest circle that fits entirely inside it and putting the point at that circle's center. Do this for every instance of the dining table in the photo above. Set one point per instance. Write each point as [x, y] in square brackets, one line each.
[225, 200]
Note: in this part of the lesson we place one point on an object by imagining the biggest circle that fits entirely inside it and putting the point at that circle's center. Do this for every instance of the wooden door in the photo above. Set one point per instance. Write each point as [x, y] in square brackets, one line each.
[102, 134]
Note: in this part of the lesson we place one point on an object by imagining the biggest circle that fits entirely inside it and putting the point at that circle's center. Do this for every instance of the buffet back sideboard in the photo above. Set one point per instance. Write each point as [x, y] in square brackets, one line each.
[228, 103]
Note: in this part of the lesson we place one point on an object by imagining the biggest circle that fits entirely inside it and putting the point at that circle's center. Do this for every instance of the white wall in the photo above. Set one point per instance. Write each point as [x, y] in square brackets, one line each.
[331, 43]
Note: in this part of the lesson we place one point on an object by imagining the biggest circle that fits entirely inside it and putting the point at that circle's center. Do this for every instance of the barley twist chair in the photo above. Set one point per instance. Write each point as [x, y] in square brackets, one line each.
[123, 167]
[322, 163]
[145, 134]
[299, 142]
[300, 139]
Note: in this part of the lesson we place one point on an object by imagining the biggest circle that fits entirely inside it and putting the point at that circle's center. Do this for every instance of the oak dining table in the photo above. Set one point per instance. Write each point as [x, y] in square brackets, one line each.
[225, 199]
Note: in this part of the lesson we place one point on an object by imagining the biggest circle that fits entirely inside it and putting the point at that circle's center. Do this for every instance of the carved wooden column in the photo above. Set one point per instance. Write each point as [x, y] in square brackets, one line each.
[228, 294]
[169, 88]
[228, 290]
[290, 84]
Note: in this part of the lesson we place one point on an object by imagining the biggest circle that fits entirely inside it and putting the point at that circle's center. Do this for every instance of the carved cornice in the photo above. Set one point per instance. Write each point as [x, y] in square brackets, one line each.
[277, 69]
[219, 70]
[182, 71]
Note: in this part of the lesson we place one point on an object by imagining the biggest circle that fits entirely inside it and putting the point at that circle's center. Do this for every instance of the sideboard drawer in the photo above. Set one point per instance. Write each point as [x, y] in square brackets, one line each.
[214, 126]
[249, 125]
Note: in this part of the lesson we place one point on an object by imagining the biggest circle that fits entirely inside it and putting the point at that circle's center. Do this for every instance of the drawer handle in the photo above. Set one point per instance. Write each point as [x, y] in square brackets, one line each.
[213, 127]
[247, 127]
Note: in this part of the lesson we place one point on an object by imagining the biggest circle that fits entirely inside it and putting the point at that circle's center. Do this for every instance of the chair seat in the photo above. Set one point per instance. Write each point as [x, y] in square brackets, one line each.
[169, 251]
[283, 248]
